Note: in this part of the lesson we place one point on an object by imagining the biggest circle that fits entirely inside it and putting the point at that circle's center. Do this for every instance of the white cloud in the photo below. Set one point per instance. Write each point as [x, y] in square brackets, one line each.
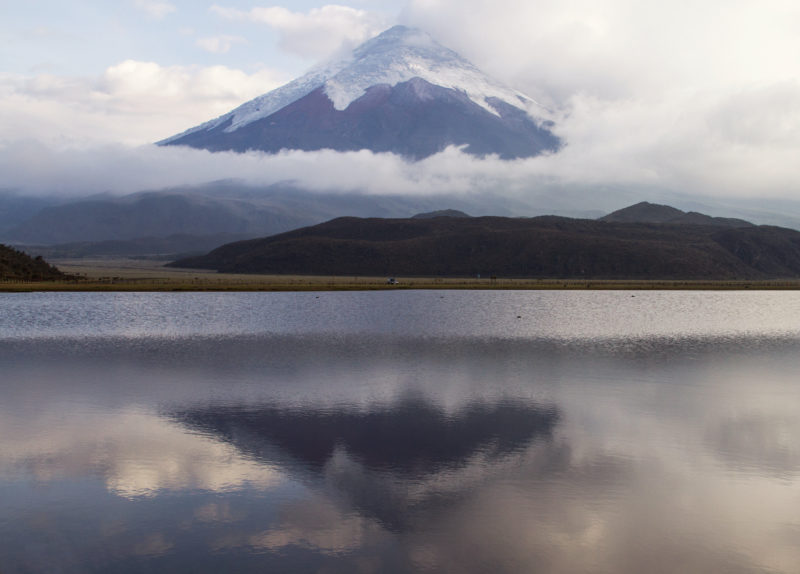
[618, 48]
[131, 102]
[154, 9]
[699, 98]
[317, 33]
[219, 44]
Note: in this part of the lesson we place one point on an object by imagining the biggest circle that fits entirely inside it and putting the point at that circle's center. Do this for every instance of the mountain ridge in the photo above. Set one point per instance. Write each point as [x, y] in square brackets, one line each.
[545, 247]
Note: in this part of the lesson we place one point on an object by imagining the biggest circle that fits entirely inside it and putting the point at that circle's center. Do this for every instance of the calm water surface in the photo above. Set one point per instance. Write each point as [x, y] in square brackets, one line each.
[608, 432]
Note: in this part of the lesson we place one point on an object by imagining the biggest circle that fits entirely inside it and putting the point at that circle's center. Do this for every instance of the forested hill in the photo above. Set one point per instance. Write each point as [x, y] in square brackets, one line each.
[16, 265]
[546, 246]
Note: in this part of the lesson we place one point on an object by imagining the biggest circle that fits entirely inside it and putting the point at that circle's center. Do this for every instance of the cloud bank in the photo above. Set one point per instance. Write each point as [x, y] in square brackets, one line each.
[618, 49]
[698, 99]
[654, 164]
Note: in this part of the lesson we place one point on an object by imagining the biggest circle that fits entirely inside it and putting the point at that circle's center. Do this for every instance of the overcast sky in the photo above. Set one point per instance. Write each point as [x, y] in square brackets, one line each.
[697, 97]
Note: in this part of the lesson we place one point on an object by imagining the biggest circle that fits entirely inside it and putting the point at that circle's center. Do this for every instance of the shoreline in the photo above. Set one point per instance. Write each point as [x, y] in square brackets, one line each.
[315, 283]
[151, 276]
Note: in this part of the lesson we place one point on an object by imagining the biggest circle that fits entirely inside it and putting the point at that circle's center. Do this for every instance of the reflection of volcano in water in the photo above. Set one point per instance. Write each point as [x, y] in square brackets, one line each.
[412, 437]
[397, 463]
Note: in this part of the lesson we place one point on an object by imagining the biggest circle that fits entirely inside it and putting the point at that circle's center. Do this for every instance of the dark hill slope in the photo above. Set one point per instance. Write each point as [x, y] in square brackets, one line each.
[441, 213]
[537, 247]
[16, 265]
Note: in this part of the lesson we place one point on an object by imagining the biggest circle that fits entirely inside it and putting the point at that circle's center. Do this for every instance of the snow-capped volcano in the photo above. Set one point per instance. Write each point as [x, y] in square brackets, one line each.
[399, 92]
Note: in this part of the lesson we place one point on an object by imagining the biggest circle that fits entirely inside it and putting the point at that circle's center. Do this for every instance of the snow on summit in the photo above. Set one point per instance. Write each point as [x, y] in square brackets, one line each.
[402, 53]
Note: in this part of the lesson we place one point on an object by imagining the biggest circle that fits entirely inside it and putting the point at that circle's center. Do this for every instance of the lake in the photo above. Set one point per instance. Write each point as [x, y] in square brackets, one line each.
[428, 431]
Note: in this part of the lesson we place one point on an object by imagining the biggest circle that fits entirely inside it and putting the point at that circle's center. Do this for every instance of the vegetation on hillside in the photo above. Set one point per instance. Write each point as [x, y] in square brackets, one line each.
[18, 266]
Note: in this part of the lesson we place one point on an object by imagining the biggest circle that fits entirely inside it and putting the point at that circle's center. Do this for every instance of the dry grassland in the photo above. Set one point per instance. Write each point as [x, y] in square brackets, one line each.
[136, 275]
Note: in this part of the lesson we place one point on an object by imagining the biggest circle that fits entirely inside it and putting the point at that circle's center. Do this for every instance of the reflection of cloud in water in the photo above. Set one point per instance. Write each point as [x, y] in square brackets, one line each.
[535, 497]
[550, 512]
[153, 545]
[621, 475]
[758, 442]
[218, 511]
[315, 523]
[566, 527]
[136, 454]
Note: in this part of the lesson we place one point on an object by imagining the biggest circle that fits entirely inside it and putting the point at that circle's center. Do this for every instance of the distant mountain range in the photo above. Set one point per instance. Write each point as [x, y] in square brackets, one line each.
[158, 214]
[196, 219]
[399, 92]
[179, 222]
[619, 246]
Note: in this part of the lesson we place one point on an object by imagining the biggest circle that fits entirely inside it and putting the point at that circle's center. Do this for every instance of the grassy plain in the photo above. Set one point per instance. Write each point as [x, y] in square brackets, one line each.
[144, 275]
